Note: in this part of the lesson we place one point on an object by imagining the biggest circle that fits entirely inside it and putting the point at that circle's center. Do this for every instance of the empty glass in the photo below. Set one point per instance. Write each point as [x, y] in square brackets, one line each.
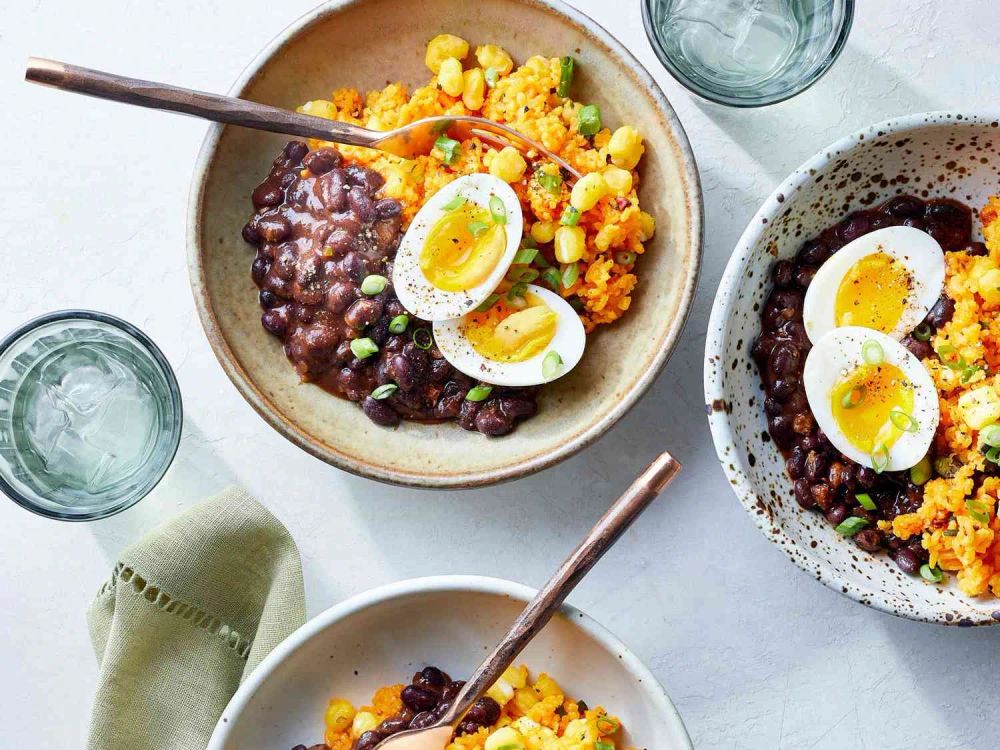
[90, 415]
[747, 53]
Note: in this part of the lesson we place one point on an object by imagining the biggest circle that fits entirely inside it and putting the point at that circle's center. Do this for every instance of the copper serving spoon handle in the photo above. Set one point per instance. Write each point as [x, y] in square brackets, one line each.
[408, 141]
[540, 610]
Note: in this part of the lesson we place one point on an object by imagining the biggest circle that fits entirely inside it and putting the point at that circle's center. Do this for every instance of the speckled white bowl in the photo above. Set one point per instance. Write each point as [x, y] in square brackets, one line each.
[384, 635]
[941, 154]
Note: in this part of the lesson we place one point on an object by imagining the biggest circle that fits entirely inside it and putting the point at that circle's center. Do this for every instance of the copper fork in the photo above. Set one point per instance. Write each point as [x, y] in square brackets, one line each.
[407, 141]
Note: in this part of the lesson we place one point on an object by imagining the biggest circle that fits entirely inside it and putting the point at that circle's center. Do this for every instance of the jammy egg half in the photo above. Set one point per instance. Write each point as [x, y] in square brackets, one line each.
[458, 247]
[886, 280]
[533, 343]
[872, 398]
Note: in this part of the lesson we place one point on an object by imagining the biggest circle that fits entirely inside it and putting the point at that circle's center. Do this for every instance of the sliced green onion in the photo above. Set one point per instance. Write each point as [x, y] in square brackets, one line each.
[552, 365]
[590, 120]
[607, 725]
[599, 745]
[510, 746]
[449, 147]
[487, 303]
[993, 454]
[476, 228]
[498, 210]
[903, 421]
[969, 373]
[541, 262]
[479, 392]
[384, 391]
[865, 501]
[423, 338]
[923, 332]
[373, 284]
[951, 532]
[491, 76]
[570, 217]
[566, 65]
[853, 397]
[551, 182]
[977, 509]
[851, 526]
[625, 259]
[524, 256]
[577, 304]
[991, 435]
[880, 458]
[921, 472]
[933, 575]
[517, 291]
[454, 203]
[872, 352]
[944, 467]
[570, 273]
[399, 323]
[363, 348]
[552, 277]
[526, 275]
[958, 363]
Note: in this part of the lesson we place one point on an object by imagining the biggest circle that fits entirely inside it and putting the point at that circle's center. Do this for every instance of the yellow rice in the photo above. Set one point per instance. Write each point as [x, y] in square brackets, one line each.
[525, 99]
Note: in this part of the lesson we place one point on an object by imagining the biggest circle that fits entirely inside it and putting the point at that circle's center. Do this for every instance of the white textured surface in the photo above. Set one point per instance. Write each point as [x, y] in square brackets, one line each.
[754, 652]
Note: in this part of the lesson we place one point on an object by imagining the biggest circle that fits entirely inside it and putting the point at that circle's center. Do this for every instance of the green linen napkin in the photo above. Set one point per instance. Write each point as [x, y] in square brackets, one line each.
[189, 611]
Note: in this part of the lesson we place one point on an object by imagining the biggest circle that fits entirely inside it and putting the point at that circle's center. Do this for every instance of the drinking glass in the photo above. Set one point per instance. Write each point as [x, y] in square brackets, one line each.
[747, 53]
[90, 415]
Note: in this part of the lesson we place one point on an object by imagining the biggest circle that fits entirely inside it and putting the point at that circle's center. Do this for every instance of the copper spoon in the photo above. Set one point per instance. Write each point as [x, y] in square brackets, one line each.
[407, 141]
[545, 604]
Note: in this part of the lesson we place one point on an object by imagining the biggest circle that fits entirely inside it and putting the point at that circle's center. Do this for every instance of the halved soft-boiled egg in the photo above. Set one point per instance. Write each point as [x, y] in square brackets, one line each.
[886, 280]
[873, 399]
[458, 247]
[539, 340]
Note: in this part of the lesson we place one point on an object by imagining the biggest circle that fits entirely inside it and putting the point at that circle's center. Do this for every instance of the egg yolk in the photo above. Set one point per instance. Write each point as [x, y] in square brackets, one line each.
[873, 293]
[462, 249]
[862, 402]
[505, 334]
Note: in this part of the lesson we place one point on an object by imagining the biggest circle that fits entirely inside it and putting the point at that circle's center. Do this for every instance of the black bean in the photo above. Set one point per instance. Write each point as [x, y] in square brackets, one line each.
[949, 236]
[361, 204]
[781, 430]
[907, 561]
[813, 253]
[822, 495]
[275, 321]
[422, 720]
[977, 248]
[368, 740]
[468, 727]
[783, 273]
[865, 477]
[274, 228]
[419, 698]
[379, 412]
[259, 269]
[815, 466]
[367, 179]
[942, 311]
[803, 494]
[267, 194]
[870, 540]
[340, 295]
[915, 222]
[853, 227]
[268, 299]
[796, 463]
[392, 725]
[431, 677]
[836, 514]
[363, 313]
[452, 689]
[517, 408]
[919, 349]
[321, 160]
[784, 359]
[485, 712]
[804, 276]
[356, 266]
[340, 241]
[387, 208]
[772, 406]
[250, 234]
[295, 151]
[333, 190]
[904, 206]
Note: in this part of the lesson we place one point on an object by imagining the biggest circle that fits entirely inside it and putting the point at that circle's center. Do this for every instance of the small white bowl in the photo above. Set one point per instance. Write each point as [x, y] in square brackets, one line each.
[382, 636]
[934, 155]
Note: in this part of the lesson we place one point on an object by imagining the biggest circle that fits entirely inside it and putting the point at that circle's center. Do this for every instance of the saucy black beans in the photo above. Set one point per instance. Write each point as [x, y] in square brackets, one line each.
[320, 228]
[823, 479]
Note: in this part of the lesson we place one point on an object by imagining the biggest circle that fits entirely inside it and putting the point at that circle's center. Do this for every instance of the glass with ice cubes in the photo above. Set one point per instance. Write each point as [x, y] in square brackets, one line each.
[90, 415]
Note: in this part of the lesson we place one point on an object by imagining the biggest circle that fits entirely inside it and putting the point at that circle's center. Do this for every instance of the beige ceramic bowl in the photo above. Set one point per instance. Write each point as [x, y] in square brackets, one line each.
[365, 43]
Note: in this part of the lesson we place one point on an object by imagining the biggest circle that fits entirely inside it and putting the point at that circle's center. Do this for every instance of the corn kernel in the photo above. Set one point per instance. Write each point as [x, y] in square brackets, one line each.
[647, 226]
[607, 236]
[543, 232]
[443, 46]
[979, 407]
[450, 76]
[516, 676]
[474, 91]
[363, 721]
[587, 191]
[625, 147]
[525, 698]
[545, 685]
[492, 56]
[319, 108]
[619, 180]
[339, 715]
[508, 164]
[570, 242]
[989, 286]
[504, 737]
[501, 691]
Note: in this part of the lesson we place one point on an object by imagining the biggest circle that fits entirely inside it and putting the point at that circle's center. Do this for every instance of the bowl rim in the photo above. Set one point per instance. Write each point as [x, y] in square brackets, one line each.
[468, 479]
[645, 679]
[715, 346]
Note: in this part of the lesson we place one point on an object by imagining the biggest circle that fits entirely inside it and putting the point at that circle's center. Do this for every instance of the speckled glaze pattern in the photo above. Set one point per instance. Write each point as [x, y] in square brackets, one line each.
[934, 155]
[335, 45]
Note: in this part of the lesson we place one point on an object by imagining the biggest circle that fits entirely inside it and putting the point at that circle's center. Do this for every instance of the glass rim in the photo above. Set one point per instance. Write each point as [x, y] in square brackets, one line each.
[176, 400]
[802, 85]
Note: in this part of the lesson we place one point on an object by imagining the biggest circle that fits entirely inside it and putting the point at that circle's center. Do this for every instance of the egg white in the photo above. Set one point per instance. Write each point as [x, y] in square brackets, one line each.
[418, 295]
[568, 342]
[917, 251]
[838, 353]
